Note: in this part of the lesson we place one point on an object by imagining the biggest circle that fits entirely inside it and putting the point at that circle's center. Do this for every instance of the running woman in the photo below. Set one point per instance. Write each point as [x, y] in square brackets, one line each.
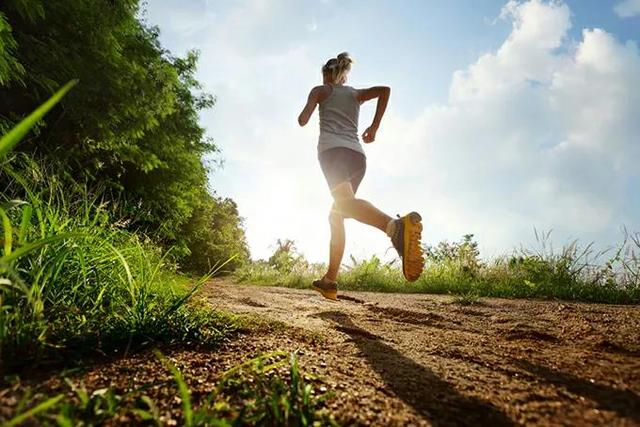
[343, 163]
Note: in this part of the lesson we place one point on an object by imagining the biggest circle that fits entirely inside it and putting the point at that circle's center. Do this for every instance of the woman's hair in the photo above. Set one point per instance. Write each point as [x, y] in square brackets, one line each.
[337, 68]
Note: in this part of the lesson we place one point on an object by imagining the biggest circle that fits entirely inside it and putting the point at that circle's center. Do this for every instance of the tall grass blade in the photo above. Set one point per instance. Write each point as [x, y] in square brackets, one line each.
[24, 223]
[24, 250]
[33, 411]
[8, 233]
[181, 301]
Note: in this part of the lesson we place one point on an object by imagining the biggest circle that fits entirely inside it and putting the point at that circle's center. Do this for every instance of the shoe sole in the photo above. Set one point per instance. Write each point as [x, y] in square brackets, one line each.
[412, 262]
[332, 295]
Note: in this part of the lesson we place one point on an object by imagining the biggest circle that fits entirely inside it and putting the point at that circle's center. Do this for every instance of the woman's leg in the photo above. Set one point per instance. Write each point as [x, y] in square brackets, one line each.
[361, 210]
[336, 247]
[347, 206]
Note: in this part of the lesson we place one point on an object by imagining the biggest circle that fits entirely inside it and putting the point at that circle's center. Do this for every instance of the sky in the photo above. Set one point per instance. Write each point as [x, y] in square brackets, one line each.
[505, 116]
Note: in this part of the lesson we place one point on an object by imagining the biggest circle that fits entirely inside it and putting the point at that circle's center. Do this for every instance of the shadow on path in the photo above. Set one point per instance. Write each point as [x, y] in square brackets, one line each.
[624, 402]
[437, 400]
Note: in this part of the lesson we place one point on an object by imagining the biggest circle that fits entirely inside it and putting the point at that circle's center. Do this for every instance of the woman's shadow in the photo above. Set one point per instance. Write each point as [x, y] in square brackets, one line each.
[419, 387]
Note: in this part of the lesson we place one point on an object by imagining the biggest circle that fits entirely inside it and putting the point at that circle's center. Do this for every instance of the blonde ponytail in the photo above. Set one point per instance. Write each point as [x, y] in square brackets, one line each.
[338, 68]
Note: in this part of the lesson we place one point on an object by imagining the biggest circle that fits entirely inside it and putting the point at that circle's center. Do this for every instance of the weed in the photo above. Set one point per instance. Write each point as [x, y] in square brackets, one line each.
[467, 298]
[267, 390]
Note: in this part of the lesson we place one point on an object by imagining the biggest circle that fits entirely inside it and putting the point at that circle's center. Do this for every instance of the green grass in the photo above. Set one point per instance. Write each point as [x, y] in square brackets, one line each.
[72, 280]
[267, 390]
[572, 273]
[469, 298]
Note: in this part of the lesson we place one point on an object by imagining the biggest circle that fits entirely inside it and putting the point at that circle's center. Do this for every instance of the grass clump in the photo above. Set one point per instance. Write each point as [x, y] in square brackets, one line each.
[466, 299]
[73, 280]
[271, 390]
[265, 391]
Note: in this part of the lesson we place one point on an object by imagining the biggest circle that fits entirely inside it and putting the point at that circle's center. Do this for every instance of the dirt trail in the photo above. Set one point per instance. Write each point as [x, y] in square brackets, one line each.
[422, 360]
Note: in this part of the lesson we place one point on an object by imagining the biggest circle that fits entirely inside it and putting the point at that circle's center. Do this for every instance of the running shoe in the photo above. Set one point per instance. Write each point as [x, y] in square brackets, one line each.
[327, 288]
[406, 239]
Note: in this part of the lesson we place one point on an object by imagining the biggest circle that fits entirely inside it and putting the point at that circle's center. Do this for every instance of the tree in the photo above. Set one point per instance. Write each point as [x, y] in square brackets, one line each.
[216, 234]
[130, 127]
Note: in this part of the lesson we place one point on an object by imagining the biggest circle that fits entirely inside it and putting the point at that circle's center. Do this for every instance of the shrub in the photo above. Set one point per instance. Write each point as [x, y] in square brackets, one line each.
[70, 279]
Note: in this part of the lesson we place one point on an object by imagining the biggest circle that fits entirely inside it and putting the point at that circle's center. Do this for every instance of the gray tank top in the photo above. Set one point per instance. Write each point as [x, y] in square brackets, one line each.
[339, 120]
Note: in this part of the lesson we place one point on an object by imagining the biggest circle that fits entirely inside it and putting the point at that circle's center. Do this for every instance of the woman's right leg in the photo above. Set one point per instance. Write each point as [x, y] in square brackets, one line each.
[361, 210]
[405, 232]
[346, 205]
[336, 246]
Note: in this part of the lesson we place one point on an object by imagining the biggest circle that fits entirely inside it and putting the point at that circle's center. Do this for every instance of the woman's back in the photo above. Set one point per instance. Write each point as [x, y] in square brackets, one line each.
[339, 120]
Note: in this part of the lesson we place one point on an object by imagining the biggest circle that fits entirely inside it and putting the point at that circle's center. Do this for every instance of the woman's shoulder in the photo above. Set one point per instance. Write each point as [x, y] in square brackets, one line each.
[352, 89]
[322, 91]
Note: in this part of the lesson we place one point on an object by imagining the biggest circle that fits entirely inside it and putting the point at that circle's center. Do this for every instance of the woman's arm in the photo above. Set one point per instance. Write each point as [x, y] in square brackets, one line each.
[312, 100]
[382, 93]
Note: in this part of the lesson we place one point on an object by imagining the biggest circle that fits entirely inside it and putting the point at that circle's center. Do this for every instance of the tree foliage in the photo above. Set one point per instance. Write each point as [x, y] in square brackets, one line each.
[131, 125]
[214, 235]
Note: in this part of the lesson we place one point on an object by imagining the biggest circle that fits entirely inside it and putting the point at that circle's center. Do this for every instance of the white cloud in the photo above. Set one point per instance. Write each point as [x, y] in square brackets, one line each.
[540, 133]
[627, 8]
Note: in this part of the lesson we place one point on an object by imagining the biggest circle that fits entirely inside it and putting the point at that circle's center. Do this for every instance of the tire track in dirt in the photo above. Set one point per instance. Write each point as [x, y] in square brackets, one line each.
[419, 359]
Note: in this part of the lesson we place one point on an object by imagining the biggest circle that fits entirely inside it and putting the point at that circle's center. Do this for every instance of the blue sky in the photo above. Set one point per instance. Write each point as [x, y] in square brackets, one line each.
[504, 116]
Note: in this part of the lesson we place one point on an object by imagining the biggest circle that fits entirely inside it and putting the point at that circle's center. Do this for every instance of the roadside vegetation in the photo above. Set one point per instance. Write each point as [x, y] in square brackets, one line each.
[570, 273]
[74, 281]
[104, 200]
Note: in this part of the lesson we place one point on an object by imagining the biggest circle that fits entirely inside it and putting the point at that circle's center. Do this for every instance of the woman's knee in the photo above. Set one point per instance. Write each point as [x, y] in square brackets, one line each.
[344, 206]
[335, 218]
[343, 191]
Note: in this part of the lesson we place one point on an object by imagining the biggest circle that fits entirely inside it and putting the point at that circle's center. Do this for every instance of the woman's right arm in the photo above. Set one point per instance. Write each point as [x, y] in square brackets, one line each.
[310, 106]
[316, 96]
[382, 93]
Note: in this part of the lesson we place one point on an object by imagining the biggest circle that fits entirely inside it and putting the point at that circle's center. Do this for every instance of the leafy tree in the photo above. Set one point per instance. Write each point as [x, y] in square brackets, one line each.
[215, 234]
[10, 68]
[131, 125]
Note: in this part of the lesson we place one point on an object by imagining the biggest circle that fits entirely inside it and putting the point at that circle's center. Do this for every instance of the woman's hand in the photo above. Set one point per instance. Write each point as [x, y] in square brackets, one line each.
[369, 135]
[382, 93]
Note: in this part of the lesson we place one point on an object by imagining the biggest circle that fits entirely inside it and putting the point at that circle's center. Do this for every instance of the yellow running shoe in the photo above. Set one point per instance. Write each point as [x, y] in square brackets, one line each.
[406, 239]
[327, 288]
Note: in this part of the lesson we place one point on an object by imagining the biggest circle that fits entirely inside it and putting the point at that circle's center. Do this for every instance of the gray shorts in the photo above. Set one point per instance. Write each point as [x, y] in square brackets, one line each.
[341, 165]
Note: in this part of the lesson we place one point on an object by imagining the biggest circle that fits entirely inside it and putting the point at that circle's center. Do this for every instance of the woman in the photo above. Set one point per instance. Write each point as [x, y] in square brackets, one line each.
[343, 163]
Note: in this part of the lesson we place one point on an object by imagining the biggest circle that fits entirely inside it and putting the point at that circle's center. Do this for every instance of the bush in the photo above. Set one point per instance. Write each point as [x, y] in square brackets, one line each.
[72, 280]
[285, 267]
[213, 235]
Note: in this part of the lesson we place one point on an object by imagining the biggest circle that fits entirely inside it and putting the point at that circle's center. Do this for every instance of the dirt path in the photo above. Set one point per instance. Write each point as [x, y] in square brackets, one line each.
[421, 360]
